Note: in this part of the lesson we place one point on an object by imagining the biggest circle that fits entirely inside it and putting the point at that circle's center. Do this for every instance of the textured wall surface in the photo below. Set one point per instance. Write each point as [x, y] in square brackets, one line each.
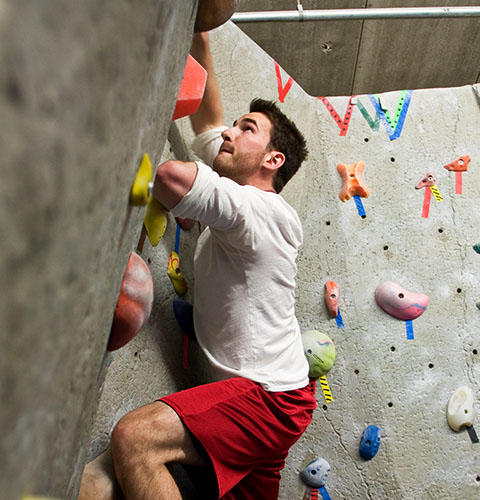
[380, 377]
[85, 89]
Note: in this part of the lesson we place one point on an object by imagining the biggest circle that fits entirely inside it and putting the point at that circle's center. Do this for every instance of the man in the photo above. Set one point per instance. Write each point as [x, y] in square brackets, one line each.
[241, 426]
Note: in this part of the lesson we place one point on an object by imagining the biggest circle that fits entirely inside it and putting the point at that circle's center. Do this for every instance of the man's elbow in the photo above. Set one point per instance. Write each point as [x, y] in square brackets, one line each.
[173, 180]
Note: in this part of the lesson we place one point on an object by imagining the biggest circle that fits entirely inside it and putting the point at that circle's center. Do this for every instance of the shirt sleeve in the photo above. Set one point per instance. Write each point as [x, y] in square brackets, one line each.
[217, 202]
[207, 144]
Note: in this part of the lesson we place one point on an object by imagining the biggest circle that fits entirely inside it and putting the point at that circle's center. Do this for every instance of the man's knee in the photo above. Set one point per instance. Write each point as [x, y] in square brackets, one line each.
[143, 432]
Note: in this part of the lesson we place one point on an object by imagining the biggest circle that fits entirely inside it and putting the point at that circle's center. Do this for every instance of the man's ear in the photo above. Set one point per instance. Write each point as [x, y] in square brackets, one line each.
[274, 160]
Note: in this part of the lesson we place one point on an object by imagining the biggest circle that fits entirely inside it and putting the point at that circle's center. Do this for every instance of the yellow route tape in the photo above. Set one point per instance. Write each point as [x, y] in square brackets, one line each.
[327, 393]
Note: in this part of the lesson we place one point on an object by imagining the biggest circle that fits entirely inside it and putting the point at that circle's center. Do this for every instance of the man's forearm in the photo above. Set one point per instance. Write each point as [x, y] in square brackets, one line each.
[210, 112]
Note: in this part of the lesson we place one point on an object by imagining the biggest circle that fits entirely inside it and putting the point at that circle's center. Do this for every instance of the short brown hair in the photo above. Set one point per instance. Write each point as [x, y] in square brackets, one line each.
[284, 137]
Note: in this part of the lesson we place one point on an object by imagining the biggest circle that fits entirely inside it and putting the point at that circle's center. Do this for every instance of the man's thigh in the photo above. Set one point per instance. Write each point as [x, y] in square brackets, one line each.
[157, 429]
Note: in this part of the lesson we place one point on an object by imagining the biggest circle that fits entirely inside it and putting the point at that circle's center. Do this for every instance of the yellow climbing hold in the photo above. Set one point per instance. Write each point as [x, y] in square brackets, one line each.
[155, 221]
[139, 195]
[175, 274]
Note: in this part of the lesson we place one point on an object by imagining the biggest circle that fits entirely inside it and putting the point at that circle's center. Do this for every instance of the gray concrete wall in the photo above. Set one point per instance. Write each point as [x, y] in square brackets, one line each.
[379, 378]
[85, 89]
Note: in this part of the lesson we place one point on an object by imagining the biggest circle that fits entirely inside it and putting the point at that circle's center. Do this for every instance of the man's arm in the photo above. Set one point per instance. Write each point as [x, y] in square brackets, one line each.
[210, 113]
[173, 180]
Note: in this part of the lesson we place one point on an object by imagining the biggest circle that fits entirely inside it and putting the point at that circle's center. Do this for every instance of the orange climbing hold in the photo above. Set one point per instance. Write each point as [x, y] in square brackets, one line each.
[459, 165]
[332, 293]
[134, 303]
[191, 89]
[353, 184]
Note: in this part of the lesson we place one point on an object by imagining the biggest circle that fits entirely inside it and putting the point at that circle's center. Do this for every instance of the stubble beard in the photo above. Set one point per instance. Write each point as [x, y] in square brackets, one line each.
[238, 169]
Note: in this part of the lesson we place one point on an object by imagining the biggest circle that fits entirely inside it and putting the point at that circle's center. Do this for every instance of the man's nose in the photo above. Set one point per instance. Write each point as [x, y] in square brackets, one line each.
[227, 134]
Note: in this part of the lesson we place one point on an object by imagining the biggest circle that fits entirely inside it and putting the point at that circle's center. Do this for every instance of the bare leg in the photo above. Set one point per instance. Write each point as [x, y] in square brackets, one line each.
[142, 443]
[98, 480]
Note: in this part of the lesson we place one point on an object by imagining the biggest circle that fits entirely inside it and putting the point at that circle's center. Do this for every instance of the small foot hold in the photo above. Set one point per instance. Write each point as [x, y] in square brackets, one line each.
[175, 274]
[315, 473]
[370, 442]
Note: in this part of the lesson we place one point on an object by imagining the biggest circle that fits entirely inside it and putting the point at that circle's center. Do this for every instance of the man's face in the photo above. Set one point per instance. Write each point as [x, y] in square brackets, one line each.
[244, 148]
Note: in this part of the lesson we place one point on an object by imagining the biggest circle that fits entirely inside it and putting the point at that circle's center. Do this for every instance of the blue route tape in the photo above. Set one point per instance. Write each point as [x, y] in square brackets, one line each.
[323, 491]
[177, 238]
[358, 202]
[409, 326]
[403, 114]
[339, 320]
[381, 114]
[392, 134]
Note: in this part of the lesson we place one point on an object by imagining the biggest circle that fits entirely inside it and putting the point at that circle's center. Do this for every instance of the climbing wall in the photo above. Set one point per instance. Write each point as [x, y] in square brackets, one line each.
[390, 373]
[85, 89]
[395, 374]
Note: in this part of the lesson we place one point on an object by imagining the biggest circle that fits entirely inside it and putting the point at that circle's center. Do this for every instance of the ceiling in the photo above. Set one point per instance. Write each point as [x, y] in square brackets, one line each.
[358, 57]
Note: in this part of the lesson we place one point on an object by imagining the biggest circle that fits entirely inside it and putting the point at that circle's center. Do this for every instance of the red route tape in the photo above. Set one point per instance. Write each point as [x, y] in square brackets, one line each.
[426, 202]
[282, 91]
[458, 182]
[342, 124]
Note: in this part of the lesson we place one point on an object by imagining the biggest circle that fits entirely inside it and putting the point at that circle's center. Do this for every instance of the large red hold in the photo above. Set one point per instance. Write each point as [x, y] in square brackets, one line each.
[191, 89]
[134, 303]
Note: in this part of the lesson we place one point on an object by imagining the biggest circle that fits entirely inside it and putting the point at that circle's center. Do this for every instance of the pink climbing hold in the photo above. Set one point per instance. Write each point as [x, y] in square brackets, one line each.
[134, 303]
[428, 180]
[400, 303]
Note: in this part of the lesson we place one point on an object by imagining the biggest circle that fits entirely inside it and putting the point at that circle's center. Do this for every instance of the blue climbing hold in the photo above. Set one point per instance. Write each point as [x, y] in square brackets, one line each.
[315, 473]
[370, 442]
[183, 312]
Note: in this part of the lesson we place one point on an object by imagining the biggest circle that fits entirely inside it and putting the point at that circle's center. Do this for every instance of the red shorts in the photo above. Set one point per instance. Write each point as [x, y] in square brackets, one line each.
[246, 432]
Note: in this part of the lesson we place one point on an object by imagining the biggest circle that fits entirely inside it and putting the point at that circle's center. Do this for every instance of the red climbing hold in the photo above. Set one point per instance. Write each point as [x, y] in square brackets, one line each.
[459, 165]
[191, 89]
[134, 303]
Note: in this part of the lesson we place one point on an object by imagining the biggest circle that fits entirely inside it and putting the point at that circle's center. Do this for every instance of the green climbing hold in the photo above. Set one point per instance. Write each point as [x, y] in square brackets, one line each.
[476, 247]
[478, 304]
[320, 352]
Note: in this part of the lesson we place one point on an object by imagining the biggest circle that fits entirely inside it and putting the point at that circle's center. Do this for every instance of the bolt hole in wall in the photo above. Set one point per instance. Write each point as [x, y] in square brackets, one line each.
[324, 407]
[392, 348]
[478, 478]
[392, 159]
[356, 372]
[366, 139]
[430, 365]
[390, 404]
[385, 247]
[475, 351]
[459, 290]
[440, 230]
[327, 222]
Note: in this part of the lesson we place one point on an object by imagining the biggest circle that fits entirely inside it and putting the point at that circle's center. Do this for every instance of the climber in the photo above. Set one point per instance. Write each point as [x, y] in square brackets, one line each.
[240, 427]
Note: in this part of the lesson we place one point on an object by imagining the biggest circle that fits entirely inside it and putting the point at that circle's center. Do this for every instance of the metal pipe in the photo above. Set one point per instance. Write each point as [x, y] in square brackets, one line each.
[353, 14]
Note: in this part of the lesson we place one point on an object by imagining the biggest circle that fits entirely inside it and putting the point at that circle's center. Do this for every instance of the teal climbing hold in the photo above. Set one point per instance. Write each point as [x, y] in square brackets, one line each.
[476, 247]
